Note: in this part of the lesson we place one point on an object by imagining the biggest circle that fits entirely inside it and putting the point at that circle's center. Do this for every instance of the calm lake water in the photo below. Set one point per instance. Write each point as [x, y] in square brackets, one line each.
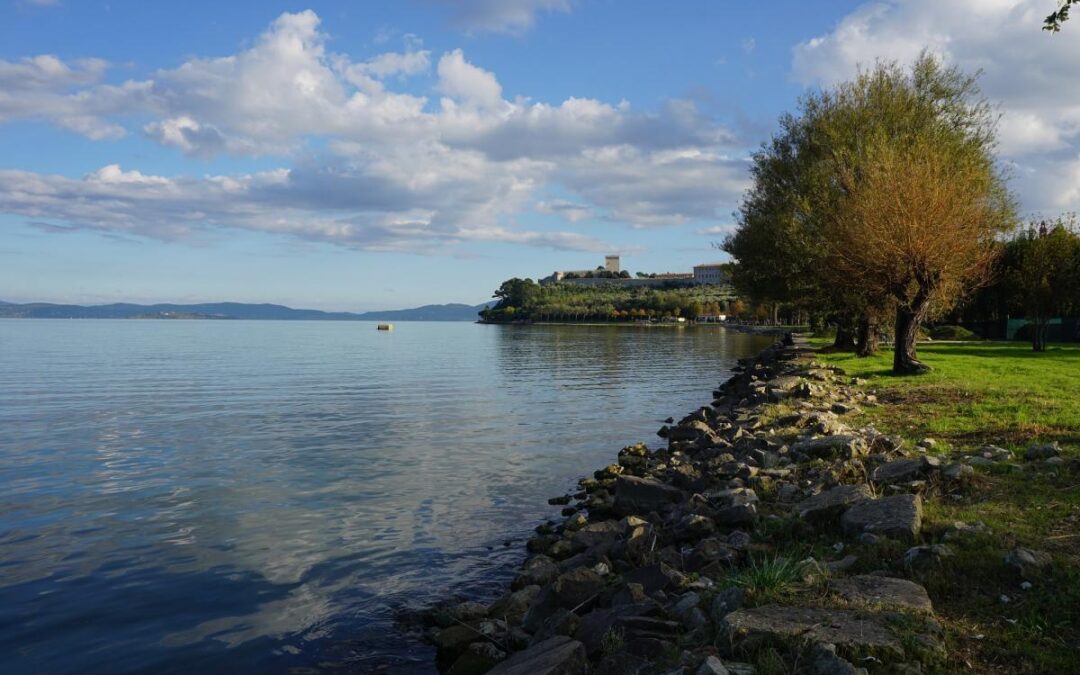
[232, 496]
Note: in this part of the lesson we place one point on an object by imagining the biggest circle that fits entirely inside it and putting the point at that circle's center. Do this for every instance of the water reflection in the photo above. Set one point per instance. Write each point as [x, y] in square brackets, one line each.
[256, 496]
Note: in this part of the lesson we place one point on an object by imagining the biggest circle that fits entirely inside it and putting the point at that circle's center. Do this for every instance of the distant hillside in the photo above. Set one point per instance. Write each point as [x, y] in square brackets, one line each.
[231, 310]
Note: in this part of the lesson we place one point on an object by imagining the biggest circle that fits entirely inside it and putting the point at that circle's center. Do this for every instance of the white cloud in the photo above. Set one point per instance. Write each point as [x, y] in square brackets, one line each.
[1031, 73]
[387, 169]
[465, 82]
[500, 16]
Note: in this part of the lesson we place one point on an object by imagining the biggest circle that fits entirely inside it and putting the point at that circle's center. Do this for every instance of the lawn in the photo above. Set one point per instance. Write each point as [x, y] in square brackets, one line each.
[1005, 395]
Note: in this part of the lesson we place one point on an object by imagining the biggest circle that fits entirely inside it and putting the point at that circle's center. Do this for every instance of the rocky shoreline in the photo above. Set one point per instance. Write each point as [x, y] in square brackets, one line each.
[772, 534]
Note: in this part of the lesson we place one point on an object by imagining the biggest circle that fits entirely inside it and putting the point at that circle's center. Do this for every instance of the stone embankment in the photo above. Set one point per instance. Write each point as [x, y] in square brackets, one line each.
[773, 533]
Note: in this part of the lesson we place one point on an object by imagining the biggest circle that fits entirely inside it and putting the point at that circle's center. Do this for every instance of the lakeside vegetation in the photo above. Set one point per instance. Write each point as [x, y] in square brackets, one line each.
[523, 300]
[880, 207]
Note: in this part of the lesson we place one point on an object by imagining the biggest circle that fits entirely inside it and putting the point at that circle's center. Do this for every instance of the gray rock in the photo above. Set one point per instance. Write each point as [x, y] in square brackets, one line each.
[825, 661]
[696, 431]
[739, 540]
[960, 529]
[901, 470]
[655, 577]
[995, 454]
[830, 447]
[479, 658]
[635, 495]
[899, 517]
[452, 642]
[577, 587]
[1026, 561]
[924, 557]
[709, 552]
[712, 666]
[957, 472]
[603, 534]
[512, 606]
[693, 526]
[739, 514]
[595, 625]
[687, 602]
[558, 655]
[832, 502]
[793, 626]
[1043, 451]
[885, 592]
[727, 601]
[787, 493]
[536, 571]
[469, 611]
[842, 565]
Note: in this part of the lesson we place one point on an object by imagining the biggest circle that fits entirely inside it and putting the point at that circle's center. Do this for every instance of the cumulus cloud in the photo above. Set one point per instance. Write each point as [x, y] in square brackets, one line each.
[1029, 72]
[500, 16]
[387, 170]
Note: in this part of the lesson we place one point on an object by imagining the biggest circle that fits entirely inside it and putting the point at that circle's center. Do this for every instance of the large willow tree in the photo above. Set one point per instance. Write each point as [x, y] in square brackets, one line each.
[883, 196]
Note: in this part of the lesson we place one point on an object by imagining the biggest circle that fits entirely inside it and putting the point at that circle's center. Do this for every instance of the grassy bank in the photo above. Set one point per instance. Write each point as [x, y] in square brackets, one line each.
[1004, 395]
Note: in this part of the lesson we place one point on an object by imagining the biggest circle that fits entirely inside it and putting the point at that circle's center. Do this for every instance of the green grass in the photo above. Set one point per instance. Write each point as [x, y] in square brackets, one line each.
[1006, 395]
[768, 579]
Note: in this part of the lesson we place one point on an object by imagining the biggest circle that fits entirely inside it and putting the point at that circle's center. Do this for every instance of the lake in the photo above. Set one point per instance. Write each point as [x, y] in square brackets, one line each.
[257, 496]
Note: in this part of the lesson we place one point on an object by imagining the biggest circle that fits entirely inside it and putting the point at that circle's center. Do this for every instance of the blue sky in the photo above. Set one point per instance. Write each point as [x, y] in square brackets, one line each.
[389, 154]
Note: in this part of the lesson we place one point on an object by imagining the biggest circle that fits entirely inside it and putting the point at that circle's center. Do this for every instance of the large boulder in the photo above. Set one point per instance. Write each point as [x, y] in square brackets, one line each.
[899, 517]
[884, 592]
[832, 502]
[853, 632]
[635, 495]
[558, 655]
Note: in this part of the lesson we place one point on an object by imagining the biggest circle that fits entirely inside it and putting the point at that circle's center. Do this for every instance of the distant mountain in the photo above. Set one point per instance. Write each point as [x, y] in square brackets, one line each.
[232, 310]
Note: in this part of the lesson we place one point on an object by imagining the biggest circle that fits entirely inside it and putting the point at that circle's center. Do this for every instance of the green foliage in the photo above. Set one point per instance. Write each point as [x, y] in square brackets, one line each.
[881, 196]
[1053, 22]
[613, 642]
[770, 662]
[767, 579]
[523, 300]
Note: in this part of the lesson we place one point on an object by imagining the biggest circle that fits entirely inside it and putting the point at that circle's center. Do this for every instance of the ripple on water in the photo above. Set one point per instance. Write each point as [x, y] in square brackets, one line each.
[261, 496]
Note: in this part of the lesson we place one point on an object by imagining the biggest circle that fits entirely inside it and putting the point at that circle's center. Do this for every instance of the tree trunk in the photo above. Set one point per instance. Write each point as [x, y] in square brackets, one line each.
[908, 320]
[868, 337]
[1038, 334]
[845, 338]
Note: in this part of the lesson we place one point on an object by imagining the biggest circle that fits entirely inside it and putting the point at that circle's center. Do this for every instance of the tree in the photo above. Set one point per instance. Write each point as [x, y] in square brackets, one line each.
[516, 292]
[918, 225]
[1053, 22]
[1047, 273]
[882, 196]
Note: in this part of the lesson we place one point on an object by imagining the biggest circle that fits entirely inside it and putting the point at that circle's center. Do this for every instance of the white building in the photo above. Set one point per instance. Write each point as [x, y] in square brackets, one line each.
[710, 273]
